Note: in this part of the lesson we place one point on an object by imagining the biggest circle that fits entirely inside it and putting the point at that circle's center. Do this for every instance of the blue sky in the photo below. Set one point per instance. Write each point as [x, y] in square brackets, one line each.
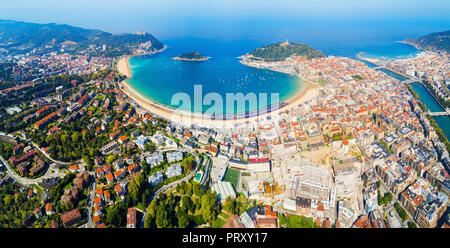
[127, 15]
[227, 7]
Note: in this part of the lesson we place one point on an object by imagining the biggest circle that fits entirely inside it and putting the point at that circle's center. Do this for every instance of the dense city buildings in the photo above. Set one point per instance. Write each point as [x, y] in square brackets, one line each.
[360, 152]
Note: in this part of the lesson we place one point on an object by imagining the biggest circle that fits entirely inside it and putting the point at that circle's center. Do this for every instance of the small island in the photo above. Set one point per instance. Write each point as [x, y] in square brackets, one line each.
[191, 56]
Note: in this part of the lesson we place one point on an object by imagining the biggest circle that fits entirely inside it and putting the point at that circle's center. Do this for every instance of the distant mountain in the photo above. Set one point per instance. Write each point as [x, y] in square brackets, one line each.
[21, 37]
[282, 50]
[433, 42]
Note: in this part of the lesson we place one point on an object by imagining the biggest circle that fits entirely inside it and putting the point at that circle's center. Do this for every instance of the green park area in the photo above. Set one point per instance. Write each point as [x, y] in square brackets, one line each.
[293, 221]
[232, 176]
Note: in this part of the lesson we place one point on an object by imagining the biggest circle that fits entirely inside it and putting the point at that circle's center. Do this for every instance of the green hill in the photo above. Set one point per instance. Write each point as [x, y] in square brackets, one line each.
[282, 50]
[22, 37]
[435, 42]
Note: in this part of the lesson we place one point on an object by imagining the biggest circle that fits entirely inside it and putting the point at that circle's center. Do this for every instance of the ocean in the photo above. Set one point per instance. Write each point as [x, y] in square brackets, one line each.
[159, 78]
[223, 73]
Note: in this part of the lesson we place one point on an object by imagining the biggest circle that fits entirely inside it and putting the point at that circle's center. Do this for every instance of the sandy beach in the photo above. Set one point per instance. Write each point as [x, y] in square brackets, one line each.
[305, 94]
[123, 66]
[423, 55]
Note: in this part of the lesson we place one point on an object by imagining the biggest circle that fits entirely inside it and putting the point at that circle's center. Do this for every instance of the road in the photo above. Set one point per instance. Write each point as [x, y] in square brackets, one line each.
[54, 160]
[90, 204]
[207, 171]
[28, 181]
[394, 200]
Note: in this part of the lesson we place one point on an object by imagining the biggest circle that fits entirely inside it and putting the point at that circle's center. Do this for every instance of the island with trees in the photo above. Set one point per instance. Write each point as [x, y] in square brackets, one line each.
[191, 56]
[281, 51]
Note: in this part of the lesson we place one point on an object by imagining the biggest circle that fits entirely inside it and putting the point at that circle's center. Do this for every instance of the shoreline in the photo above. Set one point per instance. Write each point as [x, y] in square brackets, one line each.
[374, 61]
[123, 66]
[304, 94]
[412, 44]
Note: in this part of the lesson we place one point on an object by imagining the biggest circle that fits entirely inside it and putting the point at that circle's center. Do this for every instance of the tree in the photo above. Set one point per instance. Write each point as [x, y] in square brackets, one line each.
[230, 205]
[149, 147]
[198, 189]
[188, 189]
[135, 188]
[162, 217]
[88, 162]
[75, 137]
[110, 159]
[149, 221]
[181, 188]
[145, 168]
[188, 163]
[64, 138]
[183, 220]
[208, 209]
[411, 224]
[401, 211]
[151, 209]
[7, 199]
[188, 204]
[282, 219]
[388, 196]
[116, 216]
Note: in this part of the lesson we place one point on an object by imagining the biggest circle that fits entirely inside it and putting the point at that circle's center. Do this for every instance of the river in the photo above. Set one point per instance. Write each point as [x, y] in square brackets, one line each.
[425, 96]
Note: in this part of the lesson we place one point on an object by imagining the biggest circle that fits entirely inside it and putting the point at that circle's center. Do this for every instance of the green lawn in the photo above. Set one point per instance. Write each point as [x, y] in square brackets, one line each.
[68, 186]
[197, 219]
[218, 223]
[224, 215]
[296, 221]
[232, 176]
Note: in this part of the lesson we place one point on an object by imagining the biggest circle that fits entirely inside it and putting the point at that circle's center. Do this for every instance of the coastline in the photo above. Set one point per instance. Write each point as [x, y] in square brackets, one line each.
[422, 53]
[304, 94]
[412, 44]
[123, 66]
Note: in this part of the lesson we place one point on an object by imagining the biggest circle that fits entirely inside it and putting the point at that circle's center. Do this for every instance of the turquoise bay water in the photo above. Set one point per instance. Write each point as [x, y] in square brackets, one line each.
[392, 50]
[160, 78]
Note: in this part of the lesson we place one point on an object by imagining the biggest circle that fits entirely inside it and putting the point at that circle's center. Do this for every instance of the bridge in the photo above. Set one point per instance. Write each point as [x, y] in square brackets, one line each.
[439, 113]
[409, 81]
